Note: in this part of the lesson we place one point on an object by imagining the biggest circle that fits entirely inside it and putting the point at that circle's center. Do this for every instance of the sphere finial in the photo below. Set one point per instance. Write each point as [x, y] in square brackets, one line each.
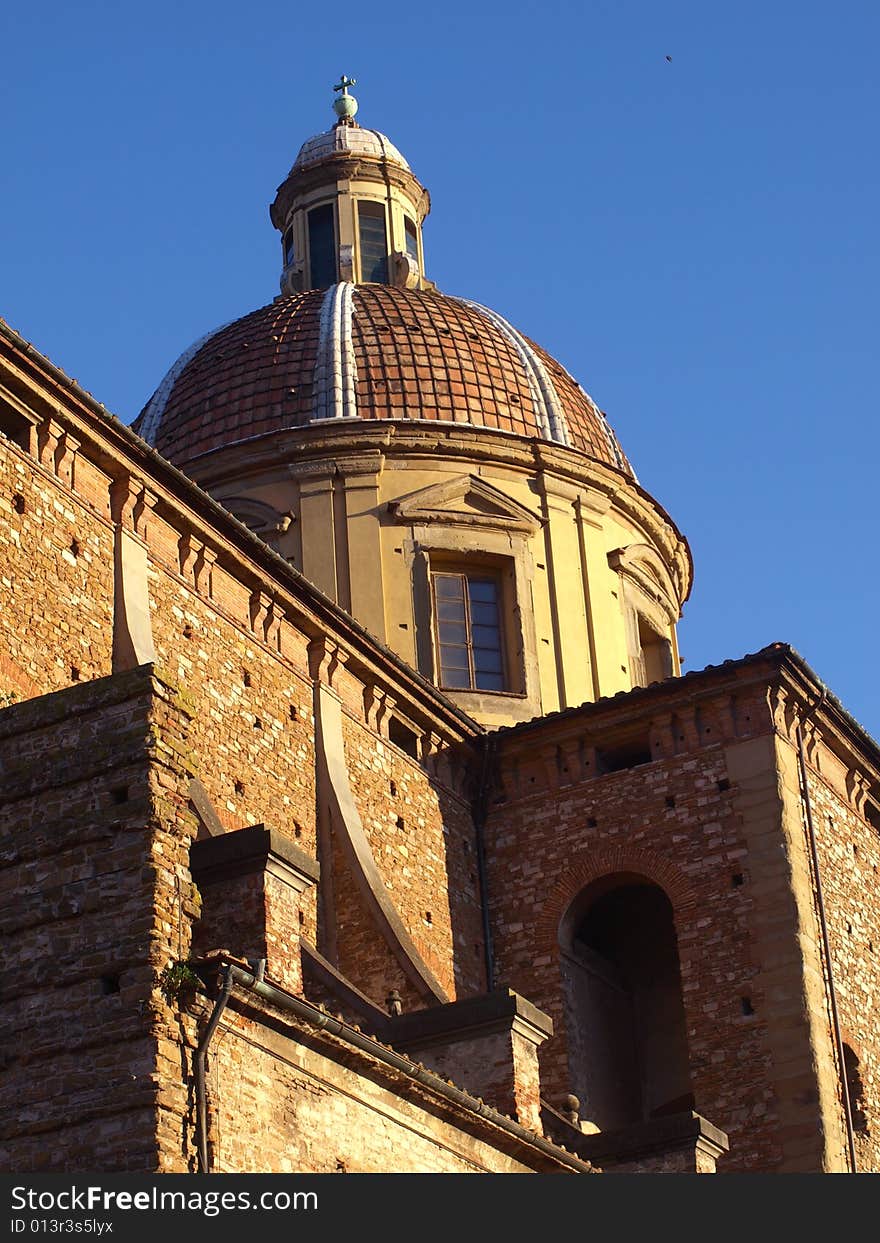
[346, 105]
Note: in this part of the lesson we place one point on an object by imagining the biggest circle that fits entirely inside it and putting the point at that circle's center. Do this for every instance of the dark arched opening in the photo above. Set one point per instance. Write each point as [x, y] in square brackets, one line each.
[628, 1056]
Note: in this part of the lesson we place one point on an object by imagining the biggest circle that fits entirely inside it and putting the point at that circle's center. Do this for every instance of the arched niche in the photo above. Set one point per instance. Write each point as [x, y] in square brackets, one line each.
[651, 608]
[258, 517]
[625, 1019]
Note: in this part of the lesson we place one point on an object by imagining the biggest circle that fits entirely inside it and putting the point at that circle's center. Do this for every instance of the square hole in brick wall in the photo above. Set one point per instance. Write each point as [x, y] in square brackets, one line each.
[630, 754]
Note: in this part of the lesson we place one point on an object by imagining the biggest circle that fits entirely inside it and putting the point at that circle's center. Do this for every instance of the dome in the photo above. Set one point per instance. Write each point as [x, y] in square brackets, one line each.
[347, 140]
[372, 352]
[419, 460]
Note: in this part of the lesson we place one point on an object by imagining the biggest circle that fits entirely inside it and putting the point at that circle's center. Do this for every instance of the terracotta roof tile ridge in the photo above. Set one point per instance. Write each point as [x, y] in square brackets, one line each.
[548, 407]
[151, 416]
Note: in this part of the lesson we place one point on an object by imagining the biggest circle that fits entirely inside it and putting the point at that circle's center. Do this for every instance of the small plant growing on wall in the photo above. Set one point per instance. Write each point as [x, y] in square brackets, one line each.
[178, 982]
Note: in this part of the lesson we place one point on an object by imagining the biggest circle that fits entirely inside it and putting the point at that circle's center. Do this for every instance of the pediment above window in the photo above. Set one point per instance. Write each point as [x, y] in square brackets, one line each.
[641, 565]
[466, 501]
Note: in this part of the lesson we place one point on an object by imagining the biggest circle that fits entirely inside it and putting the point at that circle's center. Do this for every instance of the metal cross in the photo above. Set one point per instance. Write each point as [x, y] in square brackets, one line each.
[344, 83]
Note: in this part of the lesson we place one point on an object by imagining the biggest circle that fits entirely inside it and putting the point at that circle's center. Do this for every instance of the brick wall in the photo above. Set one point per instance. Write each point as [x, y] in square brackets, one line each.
[543, 852]
[849, 861]
[53, 545]
[237, 648]
[718, 829]
[318, 1107]
[421, 833]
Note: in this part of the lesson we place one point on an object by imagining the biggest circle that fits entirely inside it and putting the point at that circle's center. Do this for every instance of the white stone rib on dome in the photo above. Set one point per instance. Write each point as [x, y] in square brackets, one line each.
[548, 407]
[335, 367]
[155, 408]
[344, 139]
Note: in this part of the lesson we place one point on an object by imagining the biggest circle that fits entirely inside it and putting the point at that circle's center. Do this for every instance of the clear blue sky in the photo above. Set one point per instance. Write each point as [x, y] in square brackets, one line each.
[696, 239]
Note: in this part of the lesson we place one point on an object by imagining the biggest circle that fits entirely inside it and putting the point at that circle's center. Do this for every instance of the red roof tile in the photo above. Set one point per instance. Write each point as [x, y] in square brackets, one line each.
[418, 355]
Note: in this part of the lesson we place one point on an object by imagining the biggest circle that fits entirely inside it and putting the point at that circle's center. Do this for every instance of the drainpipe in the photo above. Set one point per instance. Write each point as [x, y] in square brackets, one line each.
[480, 817]
[320, 1019]
[826, 944]
[199, 1059]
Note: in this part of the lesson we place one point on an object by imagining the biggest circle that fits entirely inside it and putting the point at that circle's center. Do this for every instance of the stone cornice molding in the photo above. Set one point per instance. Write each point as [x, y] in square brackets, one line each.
[315, 449]
[325, 173]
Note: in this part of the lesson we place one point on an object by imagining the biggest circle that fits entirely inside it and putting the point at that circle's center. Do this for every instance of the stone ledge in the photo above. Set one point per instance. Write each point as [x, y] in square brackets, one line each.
[257, 848]
[474, 1017]
[81, 698]
[642, 1139]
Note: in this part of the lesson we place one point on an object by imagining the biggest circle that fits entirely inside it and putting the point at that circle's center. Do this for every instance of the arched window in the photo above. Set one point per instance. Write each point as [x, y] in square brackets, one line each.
[322, 246]
[627, 1038]
[288, 248]
[373, 242]
[412, 238]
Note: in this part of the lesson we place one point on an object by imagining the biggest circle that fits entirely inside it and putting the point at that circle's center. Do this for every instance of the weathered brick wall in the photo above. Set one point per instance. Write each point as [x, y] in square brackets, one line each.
[681, 1161]
[716, 820]
[675, 821]
[849, 862]
[252, 734]
[422, 837]
[244, 671]
[318, 1110]
[54, 546]
[96, 899]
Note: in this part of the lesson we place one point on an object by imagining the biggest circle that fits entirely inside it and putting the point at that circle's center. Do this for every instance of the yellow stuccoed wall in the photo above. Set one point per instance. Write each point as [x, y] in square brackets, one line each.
[568, 623]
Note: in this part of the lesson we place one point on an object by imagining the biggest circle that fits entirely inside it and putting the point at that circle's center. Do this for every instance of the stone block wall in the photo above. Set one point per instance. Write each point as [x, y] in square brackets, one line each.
[96, 899]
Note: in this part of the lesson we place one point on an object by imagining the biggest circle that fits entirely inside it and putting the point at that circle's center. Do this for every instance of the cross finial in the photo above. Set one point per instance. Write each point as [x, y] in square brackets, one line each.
[345, 105]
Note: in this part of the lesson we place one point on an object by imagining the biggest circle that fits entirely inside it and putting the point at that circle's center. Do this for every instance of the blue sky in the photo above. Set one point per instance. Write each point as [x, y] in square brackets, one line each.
[695, 238]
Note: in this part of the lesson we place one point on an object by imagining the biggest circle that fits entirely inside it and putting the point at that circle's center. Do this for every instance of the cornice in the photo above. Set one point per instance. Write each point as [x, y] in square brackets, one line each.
[413, 439]
[124, 458]
[327, 172]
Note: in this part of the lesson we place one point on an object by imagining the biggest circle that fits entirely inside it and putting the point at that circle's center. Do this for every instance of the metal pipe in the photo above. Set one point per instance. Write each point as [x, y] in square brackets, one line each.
[199, 1057]
[312, 1014]
[823, 925]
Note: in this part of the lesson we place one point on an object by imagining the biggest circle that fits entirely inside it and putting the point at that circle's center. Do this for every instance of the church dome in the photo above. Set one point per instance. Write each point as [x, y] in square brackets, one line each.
[419, 460]
[347, 140]
[369, 352]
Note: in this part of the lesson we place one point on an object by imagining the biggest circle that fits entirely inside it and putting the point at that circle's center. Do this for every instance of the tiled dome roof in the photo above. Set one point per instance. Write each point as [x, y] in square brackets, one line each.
[371, 352]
